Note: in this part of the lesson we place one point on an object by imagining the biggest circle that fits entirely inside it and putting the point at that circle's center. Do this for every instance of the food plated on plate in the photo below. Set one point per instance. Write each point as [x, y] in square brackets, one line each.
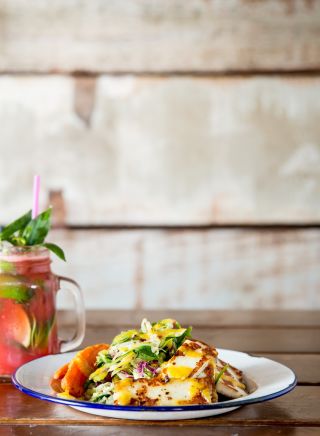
[158, 365]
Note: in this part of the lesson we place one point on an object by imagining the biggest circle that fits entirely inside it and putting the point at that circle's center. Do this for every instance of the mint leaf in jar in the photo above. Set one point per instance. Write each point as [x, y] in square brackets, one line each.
[37, 229]
[18, 224]
[27, 232]
[55, 249]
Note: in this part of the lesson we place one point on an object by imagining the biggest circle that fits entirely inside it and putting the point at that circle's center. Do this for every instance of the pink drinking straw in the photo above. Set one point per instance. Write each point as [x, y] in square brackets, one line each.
[36, 191]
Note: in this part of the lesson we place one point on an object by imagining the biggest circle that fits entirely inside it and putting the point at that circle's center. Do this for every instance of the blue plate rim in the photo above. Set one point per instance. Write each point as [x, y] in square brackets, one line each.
[87, 404]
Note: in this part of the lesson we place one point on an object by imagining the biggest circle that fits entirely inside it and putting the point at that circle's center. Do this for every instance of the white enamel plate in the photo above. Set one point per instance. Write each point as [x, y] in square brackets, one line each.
[266, 379]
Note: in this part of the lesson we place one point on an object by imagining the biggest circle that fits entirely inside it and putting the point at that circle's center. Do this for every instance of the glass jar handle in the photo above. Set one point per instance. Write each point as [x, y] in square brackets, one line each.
[80, 315]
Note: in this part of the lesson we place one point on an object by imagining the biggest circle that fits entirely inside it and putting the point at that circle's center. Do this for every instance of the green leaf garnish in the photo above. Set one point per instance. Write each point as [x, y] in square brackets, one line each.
[125, 336]
[221, 373]
[145, 353]
[16, 225]
[37, 229]
[26, 232]
[18, 241]
[171, 343]
[55, 249]
[97, 399]
[180, 339]
[103, 357]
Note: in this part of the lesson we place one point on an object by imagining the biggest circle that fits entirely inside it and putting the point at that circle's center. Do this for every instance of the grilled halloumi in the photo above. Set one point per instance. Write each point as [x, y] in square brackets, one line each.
[158, 365]
[187, 378]
[154, 392]
[230, 383]
[193, 359]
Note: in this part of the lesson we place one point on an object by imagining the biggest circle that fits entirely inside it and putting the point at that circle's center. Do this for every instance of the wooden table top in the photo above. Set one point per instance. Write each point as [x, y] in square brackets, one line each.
[291, 337]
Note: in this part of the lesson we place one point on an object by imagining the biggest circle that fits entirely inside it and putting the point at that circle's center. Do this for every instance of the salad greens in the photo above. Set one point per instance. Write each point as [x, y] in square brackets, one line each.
[135, 354]
[159, 364]
[27, 231]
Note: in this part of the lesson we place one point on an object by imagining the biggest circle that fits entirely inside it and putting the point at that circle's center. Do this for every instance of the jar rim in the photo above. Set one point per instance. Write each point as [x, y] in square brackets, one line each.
[22, 251]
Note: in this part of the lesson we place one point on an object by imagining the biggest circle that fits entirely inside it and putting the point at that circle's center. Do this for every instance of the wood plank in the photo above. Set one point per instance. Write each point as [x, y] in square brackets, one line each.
[209, 269]
[259, 341]
[171, 35]
[298, 408]
[175, 151]
[45, 430]
[201, 318]
[306, 367]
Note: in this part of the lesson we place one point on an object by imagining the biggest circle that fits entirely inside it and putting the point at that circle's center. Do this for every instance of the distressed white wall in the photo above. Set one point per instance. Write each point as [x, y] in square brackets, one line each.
[169, 113]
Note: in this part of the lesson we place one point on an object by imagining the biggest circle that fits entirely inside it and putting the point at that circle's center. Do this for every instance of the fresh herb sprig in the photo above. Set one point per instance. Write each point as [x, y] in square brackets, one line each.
[224, 369]
[27, 231]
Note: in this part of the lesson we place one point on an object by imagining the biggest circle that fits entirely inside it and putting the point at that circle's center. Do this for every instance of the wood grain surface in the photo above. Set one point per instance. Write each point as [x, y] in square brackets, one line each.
[229, 322]
[306, 367]
[249, 339]
[193, 269]
[45, 430]
[170, 35]
[163, 151]
[272, 319]
[296, 408]
[294, 414]
[235, 324]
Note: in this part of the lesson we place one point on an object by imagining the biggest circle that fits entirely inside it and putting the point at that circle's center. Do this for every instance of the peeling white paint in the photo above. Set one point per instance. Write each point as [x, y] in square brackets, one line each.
[304, 161]
[218, 269]
[164, 151]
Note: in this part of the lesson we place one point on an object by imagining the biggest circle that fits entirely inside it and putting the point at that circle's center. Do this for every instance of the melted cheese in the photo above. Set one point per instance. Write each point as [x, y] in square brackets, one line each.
[180, 372]
[199, 386]
[124, 383]
[123, 398]
[66, 396]
[194, 387]
[174, 392]
[206, 395]
[170, 332]
[122, 392]
[174, 385]
[99, 374]
[190, 360]
[191, 353]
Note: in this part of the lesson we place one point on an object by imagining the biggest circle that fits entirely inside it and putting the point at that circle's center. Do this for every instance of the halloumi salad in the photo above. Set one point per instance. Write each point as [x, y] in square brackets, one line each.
[159, 364]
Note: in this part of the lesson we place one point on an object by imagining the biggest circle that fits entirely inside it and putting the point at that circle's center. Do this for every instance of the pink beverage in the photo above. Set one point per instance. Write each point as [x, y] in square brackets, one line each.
[28, 290]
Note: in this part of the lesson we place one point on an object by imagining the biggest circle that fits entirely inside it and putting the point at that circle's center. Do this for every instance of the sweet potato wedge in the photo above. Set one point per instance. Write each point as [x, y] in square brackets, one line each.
[71, 377]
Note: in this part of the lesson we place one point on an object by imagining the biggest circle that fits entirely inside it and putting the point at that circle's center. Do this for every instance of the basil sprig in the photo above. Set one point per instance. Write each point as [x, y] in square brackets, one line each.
[27, 231]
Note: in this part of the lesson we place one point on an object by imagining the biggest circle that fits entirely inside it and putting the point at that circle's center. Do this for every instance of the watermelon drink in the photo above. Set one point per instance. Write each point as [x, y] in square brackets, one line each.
[27, 306]
[28, 290]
